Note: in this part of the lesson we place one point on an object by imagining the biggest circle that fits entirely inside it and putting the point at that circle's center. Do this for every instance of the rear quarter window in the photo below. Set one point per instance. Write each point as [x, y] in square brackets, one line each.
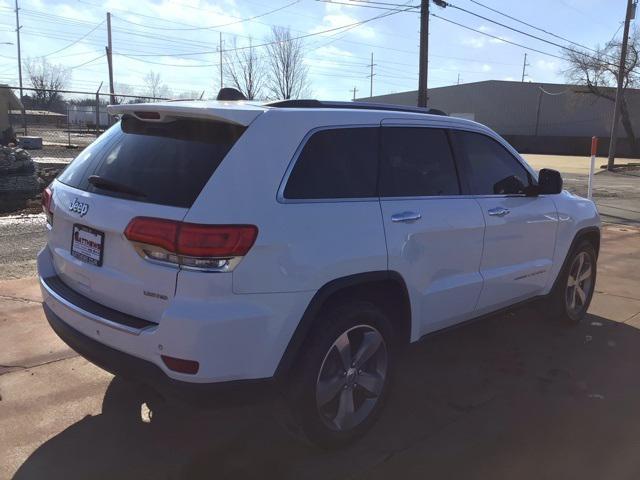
[168, 163]
[336, 163]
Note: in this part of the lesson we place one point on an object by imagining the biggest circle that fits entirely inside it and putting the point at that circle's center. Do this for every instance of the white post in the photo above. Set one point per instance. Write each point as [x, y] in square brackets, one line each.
[594, 149]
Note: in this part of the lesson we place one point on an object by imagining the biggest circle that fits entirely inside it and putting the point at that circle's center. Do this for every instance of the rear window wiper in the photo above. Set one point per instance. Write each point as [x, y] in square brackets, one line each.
[106, 184]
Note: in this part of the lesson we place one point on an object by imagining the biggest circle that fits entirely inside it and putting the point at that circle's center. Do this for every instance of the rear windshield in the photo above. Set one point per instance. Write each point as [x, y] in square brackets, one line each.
[164, 163]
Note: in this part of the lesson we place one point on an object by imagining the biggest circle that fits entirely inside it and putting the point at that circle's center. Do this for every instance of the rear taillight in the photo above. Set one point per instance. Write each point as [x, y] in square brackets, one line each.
[47, 204]
[191, 245]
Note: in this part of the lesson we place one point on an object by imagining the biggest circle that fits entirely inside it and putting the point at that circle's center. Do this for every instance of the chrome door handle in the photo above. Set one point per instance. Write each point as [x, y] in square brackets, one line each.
[405, 217]
[498, 211]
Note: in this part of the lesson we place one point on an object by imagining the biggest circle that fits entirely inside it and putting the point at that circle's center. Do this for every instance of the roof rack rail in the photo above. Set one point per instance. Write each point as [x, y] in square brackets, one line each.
[353, 106]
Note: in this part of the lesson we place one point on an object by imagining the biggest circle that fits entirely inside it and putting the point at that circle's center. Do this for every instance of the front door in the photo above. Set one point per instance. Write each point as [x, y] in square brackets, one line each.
[434, 235]
[520, 231]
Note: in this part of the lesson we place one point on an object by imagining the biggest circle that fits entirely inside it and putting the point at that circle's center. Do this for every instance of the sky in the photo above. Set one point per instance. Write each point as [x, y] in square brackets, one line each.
[179, 39]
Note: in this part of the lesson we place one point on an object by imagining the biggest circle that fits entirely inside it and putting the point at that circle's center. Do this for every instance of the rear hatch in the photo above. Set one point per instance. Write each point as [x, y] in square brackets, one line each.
[146, 165]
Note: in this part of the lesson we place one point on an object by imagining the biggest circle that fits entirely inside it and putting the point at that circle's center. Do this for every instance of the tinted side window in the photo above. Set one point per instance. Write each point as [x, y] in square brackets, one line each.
[492, 169]
[339, 163]
[416, 162]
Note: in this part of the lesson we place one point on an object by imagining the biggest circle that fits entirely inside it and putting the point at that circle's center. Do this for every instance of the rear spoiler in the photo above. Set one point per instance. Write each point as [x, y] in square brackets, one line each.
[236, 113]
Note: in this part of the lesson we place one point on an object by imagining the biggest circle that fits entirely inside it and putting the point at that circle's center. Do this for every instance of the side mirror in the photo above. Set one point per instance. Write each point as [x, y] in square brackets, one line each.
[549, 182]
[510, 185]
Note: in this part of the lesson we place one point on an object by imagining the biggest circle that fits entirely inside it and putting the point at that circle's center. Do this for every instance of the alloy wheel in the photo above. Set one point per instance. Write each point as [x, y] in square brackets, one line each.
[352, 377]
[579, 284]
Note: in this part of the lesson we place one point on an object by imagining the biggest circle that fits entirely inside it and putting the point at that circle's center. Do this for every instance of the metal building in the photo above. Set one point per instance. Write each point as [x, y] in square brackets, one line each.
[534, 117]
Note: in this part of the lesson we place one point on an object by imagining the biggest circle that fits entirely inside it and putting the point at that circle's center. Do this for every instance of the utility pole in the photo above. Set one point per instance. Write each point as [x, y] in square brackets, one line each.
[354, 93]
[221, 82]
[524, 67]
[112, 98]
[371, 74]
[458, 79]
[98, 110]
[424, 53]
[18, 27]
[631, 10]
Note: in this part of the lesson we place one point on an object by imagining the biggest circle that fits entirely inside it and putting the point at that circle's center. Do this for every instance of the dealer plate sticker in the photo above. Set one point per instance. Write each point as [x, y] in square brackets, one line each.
[87, 244]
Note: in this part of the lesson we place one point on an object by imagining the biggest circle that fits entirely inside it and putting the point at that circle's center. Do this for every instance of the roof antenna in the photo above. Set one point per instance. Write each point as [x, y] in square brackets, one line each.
[228, 93]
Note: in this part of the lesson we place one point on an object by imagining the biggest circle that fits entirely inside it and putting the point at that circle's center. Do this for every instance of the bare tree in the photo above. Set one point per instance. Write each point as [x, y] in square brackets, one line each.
[122, 89]
[288, 75]
[190, 95]
[596, 73]
[245, 70]
[155, 87]
[47, 80]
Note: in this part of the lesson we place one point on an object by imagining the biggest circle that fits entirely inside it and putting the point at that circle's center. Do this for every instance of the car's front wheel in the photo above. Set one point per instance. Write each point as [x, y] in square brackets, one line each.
[574, 289]
[344, 374]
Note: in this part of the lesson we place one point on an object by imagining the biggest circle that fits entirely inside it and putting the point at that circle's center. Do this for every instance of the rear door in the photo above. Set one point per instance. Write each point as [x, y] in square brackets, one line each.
[143, 169]
[434, 232]
[520, 235]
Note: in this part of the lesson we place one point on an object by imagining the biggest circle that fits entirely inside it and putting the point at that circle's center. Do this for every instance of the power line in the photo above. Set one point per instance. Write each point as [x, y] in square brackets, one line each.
[531, 26]
[248, 19]
[74, 42]
[393, 7]
[496, 37]
[135, 57]
[57, 18]
[447, 4]
[86, 63]
[300, 37]
[564, 47]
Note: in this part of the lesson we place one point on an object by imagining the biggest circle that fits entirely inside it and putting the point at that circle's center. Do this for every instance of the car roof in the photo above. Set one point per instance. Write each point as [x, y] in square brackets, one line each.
[244, 112]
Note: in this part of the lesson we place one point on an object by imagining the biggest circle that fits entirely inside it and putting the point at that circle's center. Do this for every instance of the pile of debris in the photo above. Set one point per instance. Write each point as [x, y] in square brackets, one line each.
[19, 181]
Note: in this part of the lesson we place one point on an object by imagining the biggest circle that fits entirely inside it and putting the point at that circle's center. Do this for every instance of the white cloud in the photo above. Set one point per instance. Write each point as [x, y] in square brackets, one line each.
[547, 65]
[338, 15]
[486, 67]
[337, 20]
[190, 12]
[480, 41]
[329, 56]
[474, 42]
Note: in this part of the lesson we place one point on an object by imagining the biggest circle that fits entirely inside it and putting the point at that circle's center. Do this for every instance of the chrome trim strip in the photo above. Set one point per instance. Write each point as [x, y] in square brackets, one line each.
[91, 316]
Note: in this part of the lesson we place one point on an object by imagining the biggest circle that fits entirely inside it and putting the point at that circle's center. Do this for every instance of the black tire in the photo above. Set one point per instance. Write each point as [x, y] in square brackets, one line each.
[559, 301]
[355, 319]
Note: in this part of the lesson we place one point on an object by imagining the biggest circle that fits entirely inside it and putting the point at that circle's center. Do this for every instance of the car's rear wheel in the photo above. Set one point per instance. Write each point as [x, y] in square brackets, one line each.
[343, 377]
[574, 289]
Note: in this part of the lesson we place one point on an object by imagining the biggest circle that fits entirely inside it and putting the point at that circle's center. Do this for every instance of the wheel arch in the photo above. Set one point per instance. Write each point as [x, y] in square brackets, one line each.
[387, 289]
[590, 234]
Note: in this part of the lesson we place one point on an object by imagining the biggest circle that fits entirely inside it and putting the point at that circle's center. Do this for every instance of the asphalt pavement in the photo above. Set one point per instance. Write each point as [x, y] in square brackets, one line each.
[515, 395]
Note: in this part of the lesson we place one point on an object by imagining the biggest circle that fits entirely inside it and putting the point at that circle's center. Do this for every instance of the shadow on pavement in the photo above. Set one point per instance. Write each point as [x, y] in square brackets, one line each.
[515, 395]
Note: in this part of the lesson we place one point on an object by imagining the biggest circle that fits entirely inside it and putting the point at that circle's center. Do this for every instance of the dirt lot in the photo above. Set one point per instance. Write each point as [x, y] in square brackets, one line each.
[516, 395]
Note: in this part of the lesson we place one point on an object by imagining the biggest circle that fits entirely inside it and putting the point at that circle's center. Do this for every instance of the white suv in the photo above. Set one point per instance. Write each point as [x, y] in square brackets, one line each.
[202, 247]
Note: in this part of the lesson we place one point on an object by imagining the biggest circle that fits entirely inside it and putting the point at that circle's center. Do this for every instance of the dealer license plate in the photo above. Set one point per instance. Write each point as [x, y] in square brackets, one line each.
[87, 244]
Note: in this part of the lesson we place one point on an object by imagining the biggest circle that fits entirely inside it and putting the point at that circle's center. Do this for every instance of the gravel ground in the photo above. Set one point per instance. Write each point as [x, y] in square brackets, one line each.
[21, 238]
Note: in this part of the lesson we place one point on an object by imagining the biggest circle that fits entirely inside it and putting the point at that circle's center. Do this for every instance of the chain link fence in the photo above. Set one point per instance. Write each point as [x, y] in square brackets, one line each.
[55, 126]
[42, 134]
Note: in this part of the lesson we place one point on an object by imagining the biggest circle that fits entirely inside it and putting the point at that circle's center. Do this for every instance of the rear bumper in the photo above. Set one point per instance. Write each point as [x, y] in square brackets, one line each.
[147, 373]
[236, 339]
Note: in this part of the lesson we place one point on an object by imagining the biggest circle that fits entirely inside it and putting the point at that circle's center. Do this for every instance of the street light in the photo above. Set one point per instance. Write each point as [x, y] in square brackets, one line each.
[6, 43]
